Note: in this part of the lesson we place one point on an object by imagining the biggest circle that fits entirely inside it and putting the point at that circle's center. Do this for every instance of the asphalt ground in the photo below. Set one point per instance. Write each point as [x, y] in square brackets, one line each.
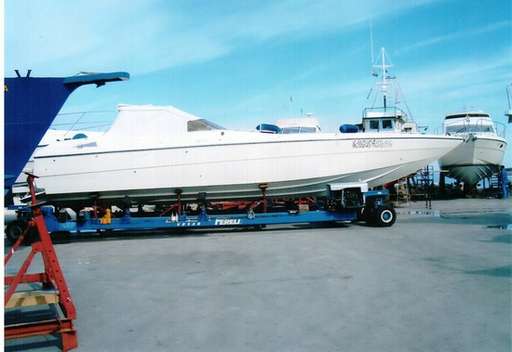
[438, 280]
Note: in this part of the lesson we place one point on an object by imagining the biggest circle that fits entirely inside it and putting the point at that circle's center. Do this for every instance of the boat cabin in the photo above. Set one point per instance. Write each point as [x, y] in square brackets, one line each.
[468, 122]
[386, 120]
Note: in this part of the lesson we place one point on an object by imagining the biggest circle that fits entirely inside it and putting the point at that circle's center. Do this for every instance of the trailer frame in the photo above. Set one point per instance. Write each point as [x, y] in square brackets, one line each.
[346, 203]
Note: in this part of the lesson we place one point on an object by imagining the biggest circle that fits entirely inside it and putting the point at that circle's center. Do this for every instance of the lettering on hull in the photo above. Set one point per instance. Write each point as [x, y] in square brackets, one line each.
[371, 143]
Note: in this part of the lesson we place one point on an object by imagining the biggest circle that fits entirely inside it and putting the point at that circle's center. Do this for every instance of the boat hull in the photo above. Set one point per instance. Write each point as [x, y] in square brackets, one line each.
[478, 157]
[228, 170]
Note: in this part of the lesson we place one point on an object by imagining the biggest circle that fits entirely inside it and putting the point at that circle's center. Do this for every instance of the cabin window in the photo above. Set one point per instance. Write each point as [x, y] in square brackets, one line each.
[467, 128]
[387, 124]
[374, 124]
[480, 128]
[456, 129]
[290, 130]
[202, 125]
[307, 130]
[299, 129]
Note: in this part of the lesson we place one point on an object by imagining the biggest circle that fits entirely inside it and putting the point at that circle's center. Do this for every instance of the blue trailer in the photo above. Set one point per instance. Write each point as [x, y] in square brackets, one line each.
[345, 202]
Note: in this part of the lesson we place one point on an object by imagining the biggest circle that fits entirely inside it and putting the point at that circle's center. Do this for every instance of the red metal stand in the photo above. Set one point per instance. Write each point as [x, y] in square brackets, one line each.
[263, 188]
[52, 280]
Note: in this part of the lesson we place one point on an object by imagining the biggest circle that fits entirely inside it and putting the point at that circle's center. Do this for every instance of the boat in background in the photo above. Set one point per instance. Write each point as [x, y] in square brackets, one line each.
[482, 152]
[31, 104]
[388, 117]
[151, 154]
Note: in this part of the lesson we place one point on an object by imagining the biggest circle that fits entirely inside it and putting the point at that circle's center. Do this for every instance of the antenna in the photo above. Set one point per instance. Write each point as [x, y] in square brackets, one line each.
[369, 94]
[508, 113]
[384, 83]
[371, 41]
[509, 89]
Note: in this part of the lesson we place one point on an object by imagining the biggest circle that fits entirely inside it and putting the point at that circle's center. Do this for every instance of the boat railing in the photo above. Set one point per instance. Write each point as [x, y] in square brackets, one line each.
[437, 130]
[393, 111]
[96, 120]
[501, 129]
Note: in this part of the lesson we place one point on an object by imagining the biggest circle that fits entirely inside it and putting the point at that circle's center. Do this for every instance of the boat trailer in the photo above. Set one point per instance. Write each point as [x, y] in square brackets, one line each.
[346, 203]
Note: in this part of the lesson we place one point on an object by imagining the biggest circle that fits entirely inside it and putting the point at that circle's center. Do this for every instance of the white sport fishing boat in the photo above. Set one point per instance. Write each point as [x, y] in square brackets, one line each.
[388, 117]
[152, 153]
[482, 152]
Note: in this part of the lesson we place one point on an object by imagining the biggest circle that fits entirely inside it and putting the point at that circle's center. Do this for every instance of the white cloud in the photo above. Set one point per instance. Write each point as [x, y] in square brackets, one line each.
[452, 36]
[57, 37]
[430, 91]
[459, 73]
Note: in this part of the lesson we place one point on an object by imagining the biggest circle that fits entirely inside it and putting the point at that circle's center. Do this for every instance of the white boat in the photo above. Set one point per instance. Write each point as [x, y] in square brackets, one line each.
[482, 152]
[151, 153]
[388, 117]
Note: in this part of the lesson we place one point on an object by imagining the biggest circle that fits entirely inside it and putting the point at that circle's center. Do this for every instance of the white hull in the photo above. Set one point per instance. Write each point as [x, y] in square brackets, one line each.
[478, 157]
[232, 164]
[52, 136]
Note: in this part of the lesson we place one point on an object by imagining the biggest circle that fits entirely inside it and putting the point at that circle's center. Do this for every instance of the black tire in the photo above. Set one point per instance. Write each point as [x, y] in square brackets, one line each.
[384, 216]
[60, 236]
[14, 231]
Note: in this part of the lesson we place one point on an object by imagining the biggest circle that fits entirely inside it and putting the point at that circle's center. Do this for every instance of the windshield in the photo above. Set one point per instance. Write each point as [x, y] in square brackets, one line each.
[290, 130]
[469, 128]
[202, 125]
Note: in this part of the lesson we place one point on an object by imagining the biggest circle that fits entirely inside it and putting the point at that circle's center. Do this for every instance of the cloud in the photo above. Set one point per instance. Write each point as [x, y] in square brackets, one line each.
[460, 73]
[430, 91]
[144, 36]
[452, 36]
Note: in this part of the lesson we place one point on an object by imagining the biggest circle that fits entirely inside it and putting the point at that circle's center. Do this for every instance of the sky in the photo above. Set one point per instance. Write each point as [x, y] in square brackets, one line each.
[240, 63]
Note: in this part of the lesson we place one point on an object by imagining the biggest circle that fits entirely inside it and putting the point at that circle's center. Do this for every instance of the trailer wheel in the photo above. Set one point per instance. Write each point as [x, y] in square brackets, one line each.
[15, 229]
[384, 216]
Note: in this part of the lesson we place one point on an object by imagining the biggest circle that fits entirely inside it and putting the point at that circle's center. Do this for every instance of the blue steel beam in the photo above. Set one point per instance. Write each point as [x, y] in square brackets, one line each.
[31, 104]
[128, 223]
